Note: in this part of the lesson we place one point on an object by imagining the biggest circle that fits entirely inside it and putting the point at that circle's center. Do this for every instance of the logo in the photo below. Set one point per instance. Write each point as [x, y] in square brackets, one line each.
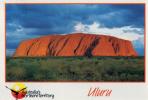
[18, 90]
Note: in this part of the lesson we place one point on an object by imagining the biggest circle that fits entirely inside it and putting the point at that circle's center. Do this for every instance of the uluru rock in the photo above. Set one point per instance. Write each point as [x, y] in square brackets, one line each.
[77, 44]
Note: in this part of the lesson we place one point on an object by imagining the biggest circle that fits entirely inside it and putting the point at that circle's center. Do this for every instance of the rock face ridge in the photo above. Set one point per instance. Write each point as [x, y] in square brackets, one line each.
[77, 44]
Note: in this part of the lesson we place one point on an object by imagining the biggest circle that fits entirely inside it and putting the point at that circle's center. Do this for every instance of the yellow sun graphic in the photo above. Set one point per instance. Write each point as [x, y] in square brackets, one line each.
[18, 86]
[19, 90]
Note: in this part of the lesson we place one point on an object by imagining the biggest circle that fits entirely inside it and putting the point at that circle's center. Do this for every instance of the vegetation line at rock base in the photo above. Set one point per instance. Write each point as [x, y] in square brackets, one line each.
[75, 69]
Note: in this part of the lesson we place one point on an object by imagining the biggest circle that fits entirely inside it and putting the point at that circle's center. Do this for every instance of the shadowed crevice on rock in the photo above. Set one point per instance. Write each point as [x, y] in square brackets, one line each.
[63, 46]
[78, 45]
[88, 52]
[30, 47]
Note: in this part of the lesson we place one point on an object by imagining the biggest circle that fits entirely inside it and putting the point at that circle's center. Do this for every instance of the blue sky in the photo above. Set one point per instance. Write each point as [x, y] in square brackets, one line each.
[34, 20]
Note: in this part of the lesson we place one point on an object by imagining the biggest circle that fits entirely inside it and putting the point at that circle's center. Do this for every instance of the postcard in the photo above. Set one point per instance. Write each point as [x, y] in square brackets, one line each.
[73, 50]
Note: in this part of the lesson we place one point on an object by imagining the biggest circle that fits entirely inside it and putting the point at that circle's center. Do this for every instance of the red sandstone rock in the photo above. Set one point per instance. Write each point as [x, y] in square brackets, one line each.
[77, 44]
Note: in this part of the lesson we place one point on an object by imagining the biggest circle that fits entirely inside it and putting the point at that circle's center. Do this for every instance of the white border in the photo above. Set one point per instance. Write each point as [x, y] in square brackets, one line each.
[72, 91]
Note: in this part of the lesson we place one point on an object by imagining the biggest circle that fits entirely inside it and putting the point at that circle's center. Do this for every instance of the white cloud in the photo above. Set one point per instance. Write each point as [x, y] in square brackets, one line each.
[80, 27]
[138, 43]
[19, 32]
[125, 32]
[10, 52]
